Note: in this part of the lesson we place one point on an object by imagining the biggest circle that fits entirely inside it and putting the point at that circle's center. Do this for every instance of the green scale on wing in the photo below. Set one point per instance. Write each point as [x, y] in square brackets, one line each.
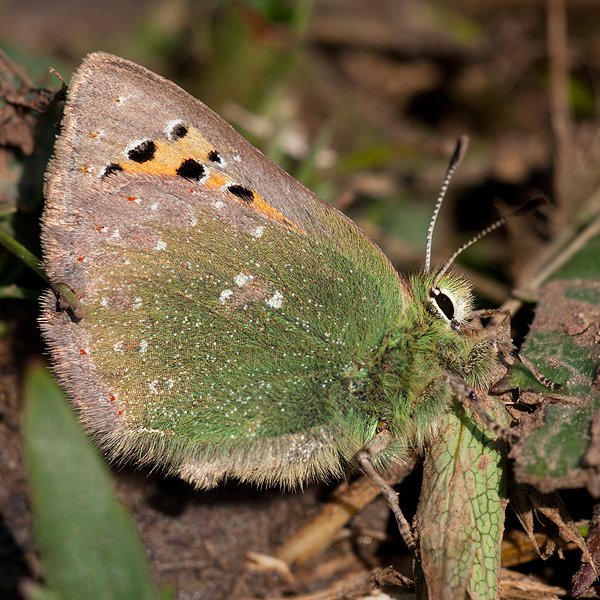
[245, 344]
[238, 338]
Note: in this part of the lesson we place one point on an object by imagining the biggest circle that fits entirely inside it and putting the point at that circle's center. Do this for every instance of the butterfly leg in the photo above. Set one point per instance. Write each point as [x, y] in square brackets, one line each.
[555, 387]
[467, 395]
[365, 457]
[486, 313]
[508, 351]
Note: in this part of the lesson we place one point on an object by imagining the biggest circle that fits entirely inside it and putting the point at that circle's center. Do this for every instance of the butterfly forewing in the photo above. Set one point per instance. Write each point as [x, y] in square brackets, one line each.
[227, 310]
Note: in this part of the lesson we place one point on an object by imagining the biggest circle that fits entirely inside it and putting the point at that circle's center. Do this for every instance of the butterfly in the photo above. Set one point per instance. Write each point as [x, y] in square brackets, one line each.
[229, 323]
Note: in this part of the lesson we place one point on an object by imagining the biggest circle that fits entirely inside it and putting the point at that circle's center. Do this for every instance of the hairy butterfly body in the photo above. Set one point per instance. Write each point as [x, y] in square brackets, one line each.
[232, 323]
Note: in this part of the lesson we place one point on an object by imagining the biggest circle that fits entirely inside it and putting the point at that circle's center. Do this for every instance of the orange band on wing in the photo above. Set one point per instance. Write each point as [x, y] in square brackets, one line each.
[166, 159]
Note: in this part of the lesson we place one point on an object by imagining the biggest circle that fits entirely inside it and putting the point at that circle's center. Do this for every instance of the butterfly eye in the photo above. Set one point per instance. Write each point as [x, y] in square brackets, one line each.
[443, 302]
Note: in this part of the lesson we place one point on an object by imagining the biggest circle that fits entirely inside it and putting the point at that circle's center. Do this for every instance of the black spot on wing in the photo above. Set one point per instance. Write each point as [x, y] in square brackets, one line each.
[214, 156]
[191, 169]
[112, 168]
[243, 193]
[143, 152]
[179, 131]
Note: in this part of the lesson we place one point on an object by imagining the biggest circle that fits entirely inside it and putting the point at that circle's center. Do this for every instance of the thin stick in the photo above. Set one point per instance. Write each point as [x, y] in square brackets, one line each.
[65, 294]
[560, 106]
[32, 261]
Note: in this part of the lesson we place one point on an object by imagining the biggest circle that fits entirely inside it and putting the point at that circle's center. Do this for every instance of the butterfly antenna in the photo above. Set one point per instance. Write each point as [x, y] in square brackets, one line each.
[524, 209]
[459, 152]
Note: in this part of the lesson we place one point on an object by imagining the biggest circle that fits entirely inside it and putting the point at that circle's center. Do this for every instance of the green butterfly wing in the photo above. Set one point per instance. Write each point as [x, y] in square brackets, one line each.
[217, 340]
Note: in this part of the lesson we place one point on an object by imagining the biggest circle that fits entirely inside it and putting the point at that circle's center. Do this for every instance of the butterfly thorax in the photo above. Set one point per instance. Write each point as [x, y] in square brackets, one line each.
[407, 372]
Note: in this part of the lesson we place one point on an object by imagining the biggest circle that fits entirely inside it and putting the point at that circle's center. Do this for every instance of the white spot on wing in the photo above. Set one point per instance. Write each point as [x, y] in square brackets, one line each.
[225, 294]
[276, 300]
[242, 279]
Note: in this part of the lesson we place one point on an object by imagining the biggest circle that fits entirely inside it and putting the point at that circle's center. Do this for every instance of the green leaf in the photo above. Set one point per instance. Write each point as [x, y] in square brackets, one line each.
[461, 512]
[15, 292]
[558, 447]
[585, 264]
[86, 538]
